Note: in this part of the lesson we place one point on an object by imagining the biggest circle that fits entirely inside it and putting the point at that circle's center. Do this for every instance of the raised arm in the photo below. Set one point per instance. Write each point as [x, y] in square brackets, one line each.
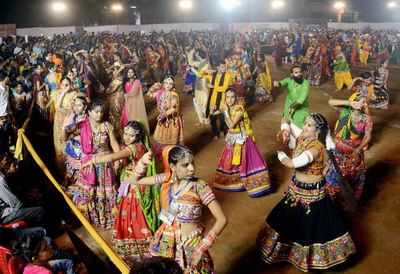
[152, 93]
[346, 103]
[338, 103]
[119, 155]
[113, 141]
[152, 180]
[282, 83]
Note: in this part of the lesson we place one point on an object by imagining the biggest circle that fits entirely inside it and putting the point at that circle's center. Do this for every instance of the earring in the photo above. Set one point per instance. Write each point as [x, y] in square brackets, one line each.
[174, 178]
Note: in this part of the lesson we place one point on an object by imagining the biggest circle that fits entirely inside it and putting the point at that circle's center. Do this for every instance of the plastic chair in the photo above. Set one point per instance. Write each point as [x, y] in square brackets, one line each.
[14, 225]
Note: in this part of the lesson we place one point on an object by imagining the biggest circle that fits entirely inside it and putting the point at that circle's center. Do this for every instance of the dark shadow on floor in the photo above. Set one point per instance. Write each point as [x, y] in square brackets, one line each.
[376, 173]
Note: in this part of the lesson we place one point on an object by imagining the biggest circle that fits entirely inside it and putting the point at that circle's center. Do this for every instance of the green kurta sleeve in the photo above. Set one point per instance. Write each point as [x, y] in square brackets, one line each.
[284, 82]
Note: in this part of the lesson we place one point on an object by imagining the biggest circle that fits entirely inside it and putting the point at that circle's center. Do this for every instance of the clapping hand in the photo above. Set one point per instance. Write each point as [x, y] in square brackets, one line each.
[147, 158]
[283, 136]
[144, 162]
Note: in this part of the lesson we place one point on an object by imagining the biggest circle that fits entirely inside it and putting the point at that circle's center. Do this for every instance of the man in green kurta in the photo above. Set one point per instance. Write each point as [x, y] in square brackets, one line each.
[296, 104]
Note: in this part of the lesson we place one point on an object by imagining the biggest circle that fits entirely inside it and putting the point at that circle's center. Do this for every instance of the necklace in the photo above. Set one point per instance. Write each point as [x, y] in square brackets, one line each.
[174, 195]
[96, 129]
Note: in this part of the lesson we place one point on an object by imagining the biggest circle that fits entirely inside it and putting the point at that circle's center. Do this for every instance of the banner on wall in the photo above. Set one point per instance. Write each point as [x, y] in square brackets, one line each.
[8, 29]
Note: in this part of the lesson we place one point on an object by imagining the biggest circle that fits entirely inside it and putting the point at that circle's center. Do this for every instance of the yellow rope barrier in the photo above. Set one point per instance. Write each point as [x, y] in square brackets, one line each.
[22, 139]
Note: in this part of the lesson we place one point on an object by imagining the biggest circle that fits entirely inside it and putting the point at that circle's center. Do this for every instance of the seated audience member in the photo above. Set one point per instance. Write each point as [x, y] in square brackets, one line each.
[12, 210]
[44, 260]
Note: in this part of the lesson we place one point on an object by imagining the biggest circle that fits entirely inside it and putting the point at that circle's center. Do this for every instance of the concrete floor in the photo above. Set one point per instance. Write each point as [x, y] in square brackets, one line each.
[374, 228]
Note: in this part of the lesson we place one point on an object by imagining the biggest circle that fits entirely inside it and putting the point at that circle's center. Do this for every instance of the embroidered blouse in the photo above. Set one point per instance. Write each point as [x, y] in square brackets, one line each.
[101, 138]
[318, 165]
[188, 206]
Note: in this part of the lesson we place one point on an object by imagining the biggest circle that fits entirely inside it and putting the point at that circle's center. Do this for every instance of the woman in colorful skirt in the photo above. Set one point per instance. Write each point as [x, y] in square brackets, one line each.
[138, 206]
[353, 134]
[305, 229]
[96, 196]
[373, 90]
[183, 196]
[241, 166]
[169, 129]
[73, 150]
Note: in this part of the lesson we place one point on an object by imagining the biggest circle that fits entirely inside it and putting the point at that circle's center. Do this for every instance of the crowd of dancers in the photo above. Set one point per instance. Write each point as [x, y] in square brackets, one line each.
[90, 95]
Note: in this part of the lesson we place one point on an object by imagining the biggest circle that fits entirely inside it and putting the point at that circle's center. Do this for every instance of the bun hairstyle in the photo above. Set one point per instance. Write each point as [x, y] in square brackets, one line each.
[322, 127]
[177, 153]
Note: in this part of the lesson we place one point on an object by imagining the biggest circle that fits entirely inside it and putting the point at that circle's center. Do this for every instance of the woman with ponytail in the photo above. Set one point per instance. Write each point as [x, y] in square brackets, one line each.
[305, 229]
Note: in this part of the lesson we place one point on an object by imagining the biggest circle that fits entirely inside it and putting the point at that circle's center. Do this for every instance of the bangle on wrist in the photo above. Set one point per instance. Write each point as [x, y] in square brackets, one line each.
[159, 179]
[208, 241]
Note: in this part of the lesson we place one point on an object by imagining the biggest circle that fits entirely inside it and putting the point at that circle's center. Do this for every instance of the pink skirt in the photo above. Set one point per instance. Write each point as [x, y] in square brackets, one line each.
[251, 175]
